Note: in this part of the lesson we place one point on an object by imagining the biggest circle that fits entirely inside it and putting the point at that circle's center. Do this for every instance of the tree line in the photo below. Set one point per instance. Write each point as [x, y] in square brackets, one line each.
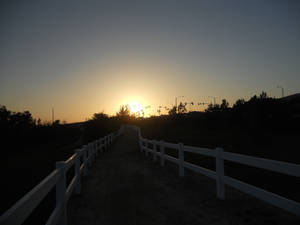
[21, 132]
[258, 113]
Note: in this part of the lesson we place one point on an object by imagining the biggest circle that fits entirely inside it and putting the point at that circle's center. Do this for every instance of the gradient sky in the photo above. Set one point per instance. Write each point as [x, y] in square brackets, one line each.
[82, 57]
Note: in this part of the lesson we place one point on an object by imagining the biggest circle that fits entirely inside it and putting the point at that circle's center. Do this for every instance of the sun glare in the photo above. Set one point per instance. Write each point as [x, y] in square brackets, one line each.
[136, 108]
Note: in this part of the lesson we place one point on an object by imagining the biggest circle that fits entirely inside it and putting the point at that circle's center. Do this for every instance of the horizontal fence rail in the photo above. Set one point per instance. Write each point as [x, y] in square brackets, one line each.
[221, 180]
[81, 160]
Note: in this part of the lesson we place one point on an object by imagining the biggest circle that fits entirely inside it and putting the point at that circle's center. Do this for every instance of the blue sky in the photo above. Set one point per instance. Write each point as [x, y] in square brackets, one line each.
[82, 57]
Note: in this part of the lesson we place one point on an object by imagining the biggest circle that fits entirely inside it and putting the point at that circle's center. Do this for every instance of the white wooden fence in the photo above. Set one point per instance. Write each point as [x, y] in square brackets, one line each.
[81, 161]
[221, 180]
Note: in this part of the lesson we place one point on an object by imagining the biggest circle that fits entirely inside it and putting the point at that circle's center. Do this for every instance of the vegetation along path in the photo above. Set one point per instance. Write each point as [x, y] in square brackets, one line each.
[124, 187]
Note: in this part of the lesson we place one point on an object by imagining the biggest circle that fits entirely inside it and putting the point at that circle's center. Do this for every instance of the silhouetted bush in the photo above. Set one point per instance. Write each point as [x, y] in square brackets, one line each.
[21, 132]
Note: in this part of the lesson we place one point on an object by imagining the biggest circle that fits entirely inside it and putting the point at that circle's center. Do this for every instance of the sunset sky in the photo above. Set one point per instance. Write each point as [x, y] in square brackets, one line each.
[82, 57]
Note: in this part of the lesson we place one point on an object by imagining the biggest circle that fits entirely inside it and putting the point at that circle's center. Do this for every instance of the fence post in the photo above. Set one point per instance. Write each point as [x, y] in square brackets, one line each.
[85, 169]
[154, 151]
[220, 173]
[77, 172]
[146, 149]
[88, 159]
[162, 151]
[105, 142]
[101, 145]
[93, 151]
[89, 154]
[141, 144]
[181, 159]
[61, 192]
[96, 147]
[139, 133]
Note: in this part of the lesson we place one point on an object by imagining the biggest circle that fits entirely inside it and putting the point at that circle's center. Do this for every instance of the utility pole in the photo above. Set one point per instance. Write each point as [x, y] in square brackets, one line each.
[282, 90]
[52, 115]
[213, 98]
[176, 101]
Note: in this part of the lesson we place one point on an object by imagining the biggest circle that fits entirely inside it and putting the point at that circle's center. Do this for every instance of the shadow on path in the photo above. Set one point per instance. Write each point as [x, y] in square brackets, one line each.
[124, 187]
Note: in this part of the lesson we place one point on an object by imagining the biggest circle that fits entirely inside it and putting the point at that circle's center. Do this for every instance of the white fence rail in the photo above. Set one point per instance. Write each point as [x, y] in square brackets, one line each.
[218, 174]
[81, 161]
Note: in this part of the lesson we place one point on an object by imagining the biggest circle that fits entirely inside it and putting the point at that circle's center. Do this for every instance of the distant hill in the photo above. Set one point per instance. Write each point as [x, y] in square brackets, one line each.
[291, 98]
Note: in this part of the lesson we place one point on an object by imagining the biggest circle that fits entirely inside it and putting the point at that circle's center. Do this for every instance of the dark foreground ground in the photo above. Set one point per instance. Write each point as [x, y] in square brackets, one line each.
[125, 187]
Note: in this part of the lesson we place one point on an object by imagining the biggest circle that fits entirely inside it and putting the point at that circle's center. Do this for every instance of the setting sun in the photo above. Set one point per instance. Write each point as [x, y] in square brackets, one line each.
[136, 108]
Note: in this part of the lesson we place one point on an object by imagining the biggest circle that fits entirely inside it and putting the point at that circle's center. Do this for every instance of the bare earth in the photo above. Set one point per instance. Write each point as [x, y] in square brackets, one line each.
[124, 187]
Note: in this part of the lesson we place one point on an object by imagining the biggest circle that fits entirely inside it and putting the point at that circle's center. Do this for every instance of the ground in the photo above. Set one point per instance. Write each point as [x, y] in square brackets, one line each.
[125, 187]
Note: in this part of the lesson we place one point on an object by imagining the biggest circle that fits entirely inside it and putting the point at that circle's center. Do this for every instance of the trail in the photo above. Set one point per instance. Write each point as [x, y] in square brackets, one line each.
[124, 187]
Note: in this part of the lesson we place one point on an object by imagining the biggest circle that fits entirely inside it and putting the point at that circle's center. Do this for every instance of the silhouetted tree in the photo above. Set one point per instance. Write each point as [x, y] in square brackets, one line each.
[181, 108]
[4, 113]
[253, 99]
[124, 112]
[239, 103]
[172, 111]
[4, 116]
[56, 123]
[20, 120]
[100, 116]
[213, 108]
[224, 106]
[263, 95]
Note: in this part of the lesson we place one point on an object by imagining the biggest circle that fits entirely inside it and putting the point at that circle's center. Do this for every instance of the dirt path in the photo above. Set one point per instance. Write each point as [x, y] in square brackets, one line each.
[124, 187]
